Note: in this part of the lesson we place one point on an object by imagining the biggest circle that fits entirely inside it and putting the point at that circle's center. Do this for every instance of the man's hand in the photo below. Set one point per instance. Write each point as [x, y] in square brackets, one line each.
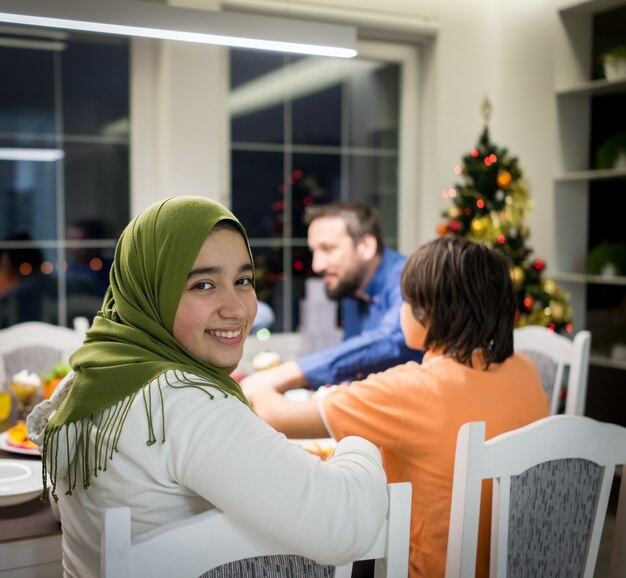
[281, 378]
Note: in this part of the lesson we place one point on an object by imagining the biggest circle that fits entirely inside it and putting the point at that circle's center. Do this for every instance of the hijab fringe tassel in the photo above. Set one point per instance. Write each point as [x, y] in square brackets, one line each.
[88, 460]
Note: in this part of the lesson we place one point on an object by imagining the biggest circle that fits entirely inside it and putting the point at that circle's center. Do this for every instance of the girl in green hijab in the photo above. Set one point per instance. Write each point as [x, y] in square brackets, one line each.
[132, 341]
[151, 419]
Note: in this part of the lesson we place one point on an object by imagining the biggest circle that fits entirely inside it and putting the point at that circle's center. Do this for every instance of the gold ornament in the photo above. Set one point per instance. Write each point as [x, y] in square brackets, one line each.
[453, 212]
[558, 311]
[549, 287]
[504, 179]
[518, 276]
[478, 227]
[522, 320]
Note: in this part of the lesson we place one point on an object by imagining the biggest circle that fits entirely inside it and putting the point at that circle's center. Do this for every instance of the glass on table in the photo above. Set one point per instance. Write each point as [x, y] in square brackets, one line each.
[5, 404]
[26, 387]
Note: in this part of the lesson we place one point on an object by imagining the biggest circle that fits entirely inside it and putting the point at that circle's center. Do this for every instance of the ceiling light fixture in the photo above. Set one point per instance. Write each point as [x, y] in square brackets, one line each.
[36, 155]
[149, 20]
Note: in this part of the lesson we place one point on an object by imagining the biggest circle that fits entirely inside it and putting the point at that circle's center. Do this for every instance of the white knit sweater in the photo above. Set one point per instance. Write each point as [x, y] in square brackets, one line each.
[217, 453]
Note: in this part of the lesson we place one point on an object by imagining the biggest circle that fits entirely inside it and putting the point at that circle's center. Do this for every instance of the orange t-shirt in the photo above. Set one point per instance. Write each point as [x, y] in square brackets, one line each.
[413, 414]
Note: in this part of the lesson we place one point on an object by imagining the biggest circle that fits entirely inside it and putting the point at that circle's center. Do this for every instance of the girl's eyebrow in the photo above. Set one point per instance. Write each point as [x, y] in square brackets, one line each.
[247, 267]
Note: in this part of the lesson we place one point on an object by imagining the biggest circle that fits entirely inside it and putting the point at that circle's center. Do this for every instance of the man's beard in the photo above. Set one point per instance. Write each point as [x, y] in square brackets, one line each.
[346, 288]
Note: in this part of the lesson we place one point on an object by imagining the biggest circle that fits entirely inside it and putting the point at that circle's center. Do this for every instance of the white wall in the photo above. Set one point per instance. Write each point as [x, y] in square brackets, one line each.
[179, 122]
[525, 119]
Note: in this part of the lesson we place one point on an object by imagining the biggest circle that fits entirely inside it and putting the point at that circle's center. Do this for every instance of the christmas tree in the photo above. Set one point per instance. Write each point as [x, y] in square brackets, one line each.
[490, 205]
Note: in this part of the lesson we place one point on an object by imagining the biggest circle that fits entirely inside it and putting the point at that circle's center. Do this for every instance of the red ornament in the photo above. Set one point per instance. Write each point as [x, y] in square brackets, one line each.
[455, 226]
[501, 239]
[539, 265]
[528, 302]
[474, 153]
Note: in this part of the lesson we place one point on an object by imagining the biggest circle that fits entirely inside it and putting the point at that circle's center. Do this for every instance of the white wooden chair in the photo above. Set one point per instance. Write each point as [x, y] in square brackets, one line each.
[190, 547]
[35, 346]
[551, 486]
[552, 354]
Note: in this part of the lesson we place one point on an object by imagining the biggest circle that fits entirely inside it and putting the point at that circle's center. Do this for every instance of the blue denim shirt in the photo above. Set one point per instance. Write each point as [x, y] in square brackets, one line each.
[373, 339]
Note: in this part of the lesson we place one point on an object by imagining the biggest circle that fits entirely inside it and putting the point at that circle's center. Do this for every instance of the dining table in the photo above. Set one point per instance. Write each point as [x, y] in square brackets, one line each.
[30, 533]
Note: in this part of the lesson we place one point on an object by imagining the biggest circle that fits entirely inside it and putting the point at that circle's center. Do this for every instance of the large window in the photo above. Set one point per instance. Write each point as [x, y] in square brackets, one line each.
[308, 131]
[64, 171]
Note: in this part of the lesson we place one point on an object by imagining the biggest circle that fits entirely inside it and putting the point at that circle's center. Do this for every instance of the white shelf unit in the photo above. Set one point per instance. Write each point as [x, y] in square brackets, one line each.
[576, 182]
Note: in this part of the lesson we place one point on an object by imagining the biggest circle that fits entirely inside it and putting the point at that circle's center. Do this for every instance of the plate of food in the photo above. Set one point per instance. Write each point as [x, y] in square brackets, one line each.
[16, 441]
[20, 481]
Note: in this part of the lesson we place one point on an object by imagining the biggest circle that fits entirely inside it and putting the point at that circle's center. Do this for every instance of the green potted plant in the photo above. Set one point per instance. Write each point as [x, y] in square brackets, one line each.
[612, 153]
[614, 62]
[607, 259]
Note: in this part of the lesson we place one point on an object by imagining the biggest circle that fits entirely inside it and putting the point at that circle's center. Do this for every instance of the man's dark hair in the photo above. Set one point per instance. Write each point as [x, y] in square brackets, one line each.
[465, 291]
[360, 219]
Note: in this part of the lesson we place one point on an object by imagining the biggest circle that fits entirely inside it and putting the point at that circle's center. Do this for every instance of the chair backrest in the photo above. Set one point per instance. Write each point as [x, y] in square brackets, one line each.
[551, 486]
[35, 346]
[554, 355]
[193, 546]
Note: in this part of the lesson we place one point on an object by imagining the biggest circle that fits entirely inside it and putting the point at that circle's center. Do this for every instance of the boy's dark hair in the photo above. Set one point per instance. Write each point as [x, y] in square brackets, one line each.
[465, 291]
[360, 219]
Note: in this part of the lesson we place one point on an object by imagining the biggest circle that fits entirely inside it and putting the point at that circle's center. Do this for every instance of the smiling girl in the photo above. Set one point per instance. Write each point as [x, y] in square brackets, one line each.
[151, 419]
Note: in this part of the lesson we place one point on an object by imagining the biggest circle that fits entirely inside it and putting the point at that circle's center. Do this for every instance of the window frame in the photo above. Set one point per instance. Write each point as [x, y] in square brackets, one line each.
[407, 58]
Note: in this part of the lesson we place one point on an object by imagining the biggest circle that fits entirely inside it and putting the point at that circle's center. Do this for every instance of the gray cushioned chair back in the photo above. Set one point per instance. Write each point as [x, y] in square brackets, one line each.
[550, 516]
[279, 566]
[547, 368]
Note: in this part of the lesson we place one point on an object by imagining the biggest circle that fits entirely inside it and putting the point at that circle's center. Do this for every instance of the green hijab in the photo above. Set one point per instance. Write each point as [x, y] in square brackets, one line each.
[130, 343]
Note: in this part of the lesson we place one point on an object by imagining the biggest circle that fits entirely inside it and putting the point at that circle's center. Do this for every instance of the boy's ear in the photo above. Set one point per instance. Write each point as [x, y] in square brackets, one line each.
[366, 247]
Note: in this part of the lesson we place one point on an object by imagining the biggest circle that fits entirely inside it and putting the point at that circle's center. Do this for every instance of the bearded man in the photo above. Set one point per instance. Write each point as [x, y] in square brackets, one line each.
[357, 269]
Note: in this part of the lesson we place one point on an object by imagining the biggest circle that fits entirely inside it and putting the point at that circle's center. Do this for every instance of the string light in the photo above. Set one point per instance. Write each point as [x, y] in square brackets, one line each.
[96, 264]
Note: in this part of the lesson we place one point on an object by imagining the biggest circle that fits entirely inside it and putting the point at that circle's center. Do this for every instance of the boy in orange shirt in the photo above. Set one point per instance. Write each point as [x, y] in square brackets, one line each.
[460, 307]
